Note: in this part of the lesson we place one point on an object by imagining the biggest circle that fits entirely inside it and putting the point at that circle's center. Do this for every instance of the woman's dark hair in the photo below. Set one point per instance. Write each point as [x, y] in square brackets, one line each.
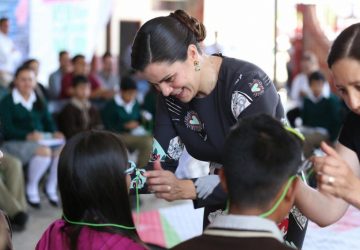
[166, 39]
[93, 185]
[346, 45]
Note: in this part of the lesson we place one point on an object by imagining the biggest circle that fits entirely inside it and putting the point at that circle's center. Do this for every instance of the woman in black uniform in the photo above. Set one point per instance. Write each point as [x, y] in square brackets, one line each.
[202, 97]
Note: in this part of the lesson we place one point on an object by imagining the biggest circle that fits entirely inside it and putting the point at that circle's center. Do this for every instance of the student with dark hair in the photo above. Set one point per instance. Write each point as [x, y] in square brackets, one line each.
[261, 159]
[80, 67]
[338, 172]
[40, 90]
[25, 122]
[321, 115]
[123, 115]
[202, 96]
[79, 114]
[94, 193]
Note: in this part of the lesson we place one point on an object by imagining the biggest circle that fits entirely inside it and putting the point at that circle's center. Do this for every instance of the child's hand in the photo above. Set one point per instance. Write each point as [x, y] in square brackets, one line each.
[131, 125]
[34, 136]
[58, 135]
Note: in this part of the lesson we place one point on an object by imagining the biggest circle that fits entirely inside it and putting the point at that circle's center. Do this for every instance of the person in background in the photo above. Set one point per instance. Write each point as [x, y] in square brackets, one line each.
[93, 185]
[123, 115]
[10, 56]
[12, 193]
[40, 90]
[321, 116]
[5, 232]
[261, 192]
[300, 87]
[108, 78]
[55, 78]
[80, 67]
[26, 124]
[79, 114]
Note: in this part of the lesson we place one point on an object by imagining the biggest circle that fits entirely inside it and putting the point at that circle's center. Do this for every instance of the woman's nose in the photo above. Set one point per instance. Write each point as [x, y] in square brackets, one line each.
[165, 89]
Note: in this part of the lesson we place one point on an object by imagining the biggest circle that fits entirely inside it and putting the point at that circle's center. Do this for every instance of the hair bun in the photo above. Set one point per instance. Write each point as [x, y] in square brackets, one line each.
[191, 23]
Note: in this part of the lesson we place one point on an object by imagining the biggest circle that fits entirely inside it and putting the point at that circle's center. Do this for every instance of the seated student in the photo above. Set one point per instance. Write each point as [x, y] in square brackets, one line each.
[5, 232]
[321, 115]
[79, 115]
[80, 67]
[123, 115]
[260, 178]
[26, 122]
[12, 193]
[40, 90]
[94, 192]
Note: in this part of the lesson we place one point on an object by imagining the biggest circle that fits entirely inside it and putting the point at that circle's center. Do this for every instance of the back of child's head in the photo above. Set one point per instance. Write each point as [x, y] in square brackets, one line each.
[127, 83]
[92, 182]
[259, 156]
[316, 76]
[79, 80]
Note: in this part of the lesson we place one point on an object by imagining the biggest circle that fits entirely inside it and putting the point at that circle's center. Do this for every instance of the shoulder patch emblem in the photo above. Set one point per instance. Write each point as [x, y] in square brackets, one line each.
[238, 103]
[256, 87]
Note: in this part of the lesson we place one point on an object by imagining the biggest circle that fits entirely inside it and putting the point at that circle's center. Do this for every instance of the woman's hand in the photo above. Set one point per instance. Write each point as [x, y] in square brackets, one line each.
[335, 176]
[165, 185]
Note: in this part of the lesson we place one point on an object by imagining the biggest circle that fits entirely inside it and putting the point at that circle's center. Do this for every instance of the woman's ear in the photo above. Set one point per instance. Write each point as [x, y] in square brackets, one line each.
[223, 179]
[193, 53]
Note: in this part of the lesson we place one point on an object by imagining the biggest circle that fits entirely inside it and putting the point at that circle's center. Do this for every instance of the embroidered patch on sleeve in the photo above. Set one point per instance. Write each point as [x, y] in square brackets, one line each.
[158, 152]
[256, 87]
[239, 102]
[299, 217]
[176, 148]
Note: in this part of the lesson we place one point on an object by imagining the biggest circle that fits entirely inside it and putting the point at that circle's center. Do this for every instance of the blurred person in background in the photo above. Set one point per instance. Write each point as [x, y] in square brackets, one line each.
[108, 78]
[79, 114]
[9, 56]
[27, 126]
[55, 78]
[300, 87]
[122, 114]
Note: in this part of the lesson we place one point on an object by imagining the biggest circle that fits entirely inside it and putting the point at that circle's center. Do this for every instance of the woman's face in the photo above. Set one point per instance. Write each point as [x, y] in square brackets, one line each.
[25, 82]
[347, 81]
[176, 79]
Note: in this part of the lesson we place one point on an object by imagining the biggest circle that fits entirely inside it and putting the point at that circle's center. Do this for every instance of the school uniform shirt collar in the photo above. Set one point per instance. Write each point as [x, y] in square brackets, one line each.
[127, 106]
[315, 99]
[250, 223]
[18, 98]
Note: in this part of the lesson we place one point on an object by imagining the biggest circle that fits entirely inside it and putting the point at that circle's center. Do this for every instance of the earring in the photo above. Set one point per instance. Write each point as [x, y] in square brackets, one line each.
[196, 65]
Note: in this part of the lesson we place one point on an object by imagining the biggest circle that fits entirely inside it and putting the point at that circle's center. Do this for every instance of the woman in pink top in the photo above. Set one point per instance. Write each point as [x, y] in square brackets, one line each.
[94, 194]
